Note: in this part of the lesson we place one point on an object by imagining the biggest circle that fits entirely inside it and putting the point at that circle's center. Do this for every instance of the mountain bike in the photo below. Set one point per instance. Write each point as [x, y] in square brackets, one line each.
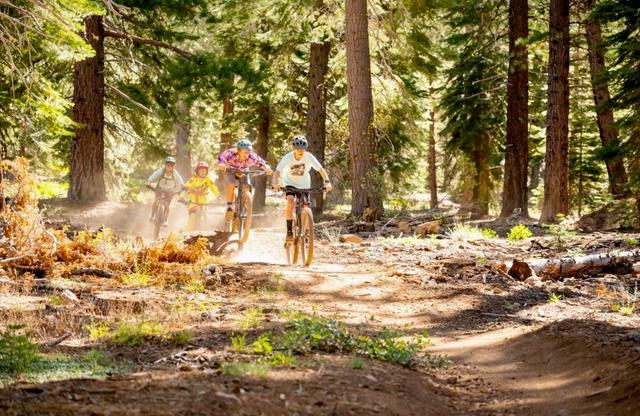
[303, 232]
[243, 203]
[160, 210]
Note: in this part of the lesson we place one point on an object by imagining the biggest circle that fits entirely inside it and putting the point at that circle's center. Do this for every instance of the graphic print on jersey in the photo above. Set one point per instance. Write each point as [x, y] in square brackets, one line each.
[297, 169]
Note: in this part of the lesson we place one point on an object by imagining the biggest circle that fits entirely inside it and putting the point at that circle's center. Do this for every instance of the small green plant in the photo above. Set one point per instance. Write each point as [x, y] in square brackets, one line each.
[17, 353]
[488, 233]
[238, 369]
[262, 345]
[57, 300]
[356, 364]
[97, 359]
[510, 306]
[289, 315]
[239, 342]
[195, 286]
[252, 318]
[98, 330]
[554, 298]
[135, 279]
[280, 359]
[623, 309]
[134, 333]
[632, 242]
[519, 232]
[182, 338]
[481, 260]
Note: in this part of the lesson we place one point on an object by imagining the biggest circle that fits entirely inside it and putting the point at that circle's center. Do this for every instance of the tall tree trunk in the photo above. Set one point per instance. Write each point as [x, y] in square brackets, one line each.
[556, 176]
[226, 138]
[431, 157]
[87, 148]
[516, 167]
[183, 131]
[317, 112]
[482, 179]
[608, 132]
[262, 148]
[365, 180]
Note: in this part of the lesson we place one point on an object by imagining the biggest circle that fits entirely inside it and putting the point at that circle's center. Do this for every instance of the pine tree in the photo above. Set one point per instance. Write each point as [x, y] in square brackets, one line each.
[365, 181]
[515, 195]
[556, 175]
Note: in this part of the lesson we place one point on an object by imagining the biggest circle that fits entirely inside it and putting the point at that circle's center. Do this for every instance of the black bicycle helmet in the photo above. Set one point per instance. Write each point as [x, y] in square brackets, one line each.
[300, 142]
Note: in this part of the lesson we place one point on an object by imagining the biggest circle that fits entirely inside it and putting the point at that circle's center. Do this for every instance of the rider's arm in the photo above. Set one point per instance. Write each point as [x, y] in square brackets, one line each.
[212, 187]
[154, 176]
[275, 179]
[179, 180]
[317, 166]
[223, 158]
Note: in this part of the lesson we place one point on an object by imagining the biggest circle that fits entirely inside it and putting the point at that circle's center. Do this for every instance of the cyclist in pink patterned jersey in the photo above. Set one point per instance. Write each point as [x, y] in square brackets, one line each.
[241, 157]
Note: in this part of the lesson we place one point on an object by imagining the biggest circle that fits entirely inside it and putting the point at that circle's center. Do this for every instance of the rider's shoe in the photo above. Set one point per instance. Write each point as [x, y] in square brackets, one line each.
[228, 216]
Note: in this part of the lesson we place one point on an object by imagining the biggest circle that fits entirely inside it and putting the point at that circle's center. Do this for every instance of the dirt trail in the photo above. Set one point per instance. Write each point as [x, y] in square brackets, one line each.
[528, 359]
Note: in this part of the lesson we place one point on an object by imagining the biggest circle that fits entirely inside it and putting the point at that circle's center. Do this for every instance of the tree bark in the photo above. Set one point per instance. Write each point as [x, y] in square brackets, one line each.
[556, 177]
[482, 179]
[87, 148]
[183, 131]
[365, 180]
[262, 148]
[226, 138]
[317, 113]
[516, 167]
[608, 132]
[431, 157]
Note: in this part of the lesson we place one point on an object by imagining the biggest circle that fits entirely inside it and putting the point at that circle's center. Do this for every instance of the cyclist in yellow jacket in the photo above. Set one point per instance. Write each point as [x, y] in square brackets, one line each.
[195, 193]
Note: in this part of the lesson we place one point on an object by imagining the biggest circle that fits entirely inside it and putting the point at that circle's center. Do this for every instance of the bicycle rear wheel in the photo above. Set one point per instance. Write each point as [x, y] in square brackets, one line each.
[307, 237]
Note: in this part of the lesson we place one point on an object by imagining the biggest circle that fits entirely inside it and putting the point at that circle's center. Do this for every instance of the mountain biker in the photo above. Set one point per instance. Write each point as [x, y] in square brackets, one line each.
[195, 193]
[164, 181]
[294, 168]
[240, 157]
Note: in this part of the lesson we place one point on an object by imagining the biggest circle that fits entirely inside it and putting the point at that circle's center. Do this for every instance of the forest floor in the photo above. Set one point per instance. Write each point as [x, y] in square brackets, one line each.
[566, 346]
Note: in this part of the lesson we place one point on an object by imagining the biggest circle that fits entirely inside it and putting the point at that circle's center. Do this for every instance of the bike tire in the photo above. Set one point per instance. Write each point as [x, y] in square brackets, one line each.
[158, 219]
[307, 237]
[231, 248]
[244, 219]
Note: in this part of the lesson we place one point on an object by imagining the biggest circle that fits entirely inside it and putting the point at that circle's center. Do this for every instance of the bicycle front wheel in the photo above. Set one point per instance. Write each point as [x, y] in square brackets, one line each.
[158, 219]
[245, 217]
[307, 237]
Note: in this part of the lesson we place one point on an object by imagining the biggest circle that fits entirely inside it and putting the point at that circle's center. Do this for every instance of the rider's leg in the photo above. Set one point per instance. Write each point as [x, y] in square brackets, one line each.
[193, 216]
[289, 215]
[231, 189]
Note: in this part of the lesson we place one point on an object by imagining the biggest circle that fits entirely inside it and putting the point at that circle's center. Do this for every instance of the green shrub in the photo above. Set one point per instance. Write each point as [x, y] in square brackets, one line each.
[519, 232]
[182, 338]
[17, 353]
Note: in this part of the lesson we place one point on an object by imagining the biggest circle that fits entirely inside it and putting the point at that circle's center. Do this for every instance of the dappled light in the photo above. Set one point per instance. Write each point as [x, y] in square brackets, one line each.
[328, 207]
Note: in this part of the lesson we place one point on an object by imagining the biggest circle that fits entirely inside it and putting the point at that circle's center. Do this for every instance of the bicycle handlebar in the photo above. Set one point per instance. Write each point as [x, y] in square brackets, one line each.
[294, 189]
[247, 172]
[161, 191]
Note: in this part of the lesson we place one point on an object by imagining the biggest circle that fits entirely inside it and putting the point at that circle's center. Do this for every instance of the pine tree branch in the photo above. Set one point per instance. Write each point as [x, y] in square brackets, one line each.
[145, 41]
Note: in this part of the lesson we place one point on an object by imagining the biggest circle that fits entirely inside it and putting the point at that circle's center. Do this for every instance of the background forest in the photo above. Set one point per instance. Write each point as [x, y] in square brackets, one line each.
[537, 102]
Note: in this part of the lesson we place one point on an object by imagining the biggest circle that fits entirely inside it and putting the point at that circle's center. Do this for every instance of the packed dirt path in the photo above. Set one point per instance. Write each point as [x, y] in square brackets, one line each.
[513, 351]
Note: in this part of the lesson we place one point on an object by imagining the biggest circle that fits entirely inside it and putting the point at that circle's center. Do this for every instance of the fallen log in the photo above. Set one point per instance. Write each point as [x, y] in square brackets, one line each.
[558, 267]
[96, 272]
